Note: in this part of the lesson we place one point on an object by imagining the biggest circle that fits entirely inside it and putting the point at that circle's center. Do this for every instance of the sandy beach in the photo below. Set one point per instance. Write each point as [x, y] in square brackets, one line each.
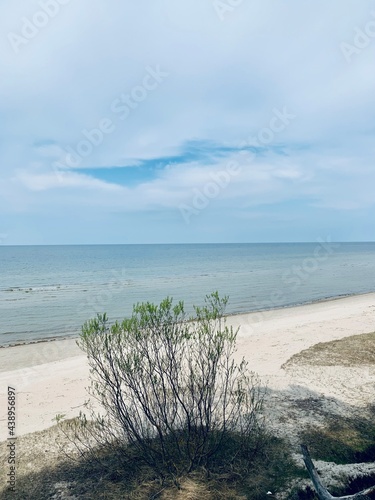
[50, 378]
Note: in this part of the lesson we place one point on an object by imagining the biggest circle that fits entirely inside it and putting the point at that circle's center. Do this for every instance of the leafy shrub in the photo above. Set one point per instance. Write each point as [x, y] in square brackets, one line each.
[170, 390]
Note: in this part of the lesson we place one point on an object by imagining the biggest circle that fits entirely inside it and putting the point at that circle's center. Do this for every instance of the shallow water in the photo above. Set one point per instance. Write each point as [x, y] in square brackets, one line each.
[49, 291]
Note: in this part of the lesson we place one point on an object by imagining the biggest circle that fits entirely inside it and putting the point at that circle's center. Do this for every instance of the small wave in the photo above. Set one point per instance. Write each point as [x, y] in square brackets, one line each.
[39, 340]
[83, 287]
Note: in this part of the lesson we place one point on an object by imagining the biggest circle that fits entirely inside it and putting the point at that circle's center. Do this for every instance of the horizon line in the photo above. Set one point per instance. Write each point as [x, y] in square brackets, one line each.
[184, 243]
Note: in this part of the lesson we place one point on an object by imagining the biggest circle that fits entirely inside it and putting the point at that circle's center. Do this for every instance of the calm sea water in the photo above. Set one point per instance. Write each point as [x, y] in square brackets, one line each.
[49, 291]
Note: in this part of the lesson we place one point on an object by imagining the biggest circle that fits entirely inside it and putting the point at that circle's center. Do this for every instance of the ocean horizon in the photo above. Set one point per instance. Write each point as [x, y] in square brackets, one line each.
[49, 291]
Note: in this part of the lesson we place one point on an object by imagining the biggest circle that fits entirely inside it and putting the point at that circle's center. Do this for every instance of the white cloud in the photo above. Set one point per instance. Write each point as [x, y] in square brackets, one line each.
[225, 78]
[63, 179]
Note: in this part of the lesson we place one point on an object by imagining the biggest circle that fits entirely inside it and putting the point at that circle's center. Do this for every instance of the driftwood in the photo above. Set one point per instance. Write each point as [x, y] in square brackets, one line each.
[321, 490]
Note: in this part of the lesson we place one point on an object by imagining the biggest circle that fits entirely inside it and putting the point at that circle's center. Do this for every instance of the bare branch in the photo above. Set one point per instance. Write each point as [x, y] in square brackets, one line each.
[321, 490]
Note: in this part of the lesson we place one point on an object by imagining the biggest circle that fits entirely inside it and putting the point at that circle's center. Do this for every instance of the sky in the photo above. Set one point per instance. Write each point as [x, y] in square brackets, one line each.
[164, 121]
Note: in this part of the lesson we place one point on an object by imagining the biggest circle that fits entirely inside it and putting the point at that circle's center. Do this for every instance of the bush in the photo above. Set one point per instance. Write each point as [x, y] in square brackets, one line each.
[170, 390]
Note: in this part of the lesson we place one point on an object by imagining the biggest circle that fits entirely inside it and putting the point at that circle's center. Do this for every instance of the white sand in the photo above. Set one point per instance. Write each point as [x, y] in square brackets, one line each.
[267, 340]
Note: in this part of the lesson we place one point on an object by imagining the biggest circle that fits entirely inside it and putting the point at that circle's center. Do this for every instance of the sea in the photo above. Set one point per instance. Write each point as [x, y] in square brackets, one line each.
[48, 292]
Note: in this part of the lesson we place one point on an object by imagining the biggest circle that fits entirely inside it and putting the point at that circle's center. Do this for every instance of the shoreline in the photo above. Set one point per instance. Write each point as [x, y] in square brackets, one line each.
[71, 336]
[51, 378]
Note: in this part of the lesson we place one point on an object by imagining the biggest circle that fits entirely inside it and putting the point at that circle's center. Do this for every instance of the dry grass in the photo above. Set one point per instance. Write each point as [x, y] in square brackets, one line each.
[357, 350]
[344, 440]
[44, 473]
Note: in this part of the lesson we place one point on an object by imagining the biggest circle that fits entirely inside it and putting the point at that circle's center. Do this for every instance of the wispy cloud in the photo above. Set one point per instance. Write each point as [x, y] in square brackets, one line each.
[46, 181]
[224, 80]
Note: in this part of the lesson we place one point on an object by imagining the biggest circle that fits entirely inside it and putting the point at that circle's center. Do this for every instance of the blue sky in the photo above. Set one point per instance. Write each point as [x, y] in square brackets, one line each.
[164, 121]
